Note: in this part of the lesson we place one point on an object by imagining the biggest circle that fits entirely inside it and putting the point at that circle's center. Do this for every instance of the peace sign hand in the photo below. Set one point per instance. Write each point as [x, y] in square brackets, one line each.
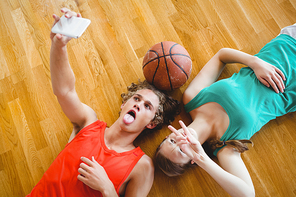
[189, 144]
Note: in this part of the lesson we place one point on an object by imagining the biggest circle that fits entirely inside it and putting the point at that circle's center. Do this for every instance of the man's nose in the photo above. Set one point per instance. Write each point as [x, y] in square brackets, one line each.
[137, 107]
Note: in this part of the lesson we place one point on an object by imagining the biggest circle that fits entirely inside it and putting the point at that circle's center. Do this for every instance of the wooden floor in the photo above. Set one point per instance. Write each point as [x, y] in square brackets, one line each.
[107, 58]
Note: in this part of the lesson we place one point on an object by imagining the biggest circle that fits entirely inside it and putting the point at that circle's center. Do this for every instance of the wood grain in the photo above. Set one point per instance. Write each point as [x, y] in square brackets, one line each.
[107, 58]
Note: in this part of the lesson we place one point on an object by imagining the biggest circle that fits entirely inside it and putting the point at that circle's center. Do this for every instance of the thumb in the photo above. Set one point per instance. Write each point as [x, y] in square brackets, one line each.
[59, 36]
[93, 159]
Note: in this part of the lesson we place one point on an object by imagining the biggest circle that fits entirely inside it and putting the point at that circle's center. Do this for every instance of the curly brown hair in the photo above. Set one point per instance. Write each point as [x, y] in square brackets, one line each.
[168, 107]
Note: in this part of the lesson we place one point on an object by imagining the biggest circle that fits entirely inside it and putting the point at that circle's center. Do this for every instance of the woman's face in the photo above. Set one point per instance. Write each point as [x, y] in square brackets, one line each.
[170, 150]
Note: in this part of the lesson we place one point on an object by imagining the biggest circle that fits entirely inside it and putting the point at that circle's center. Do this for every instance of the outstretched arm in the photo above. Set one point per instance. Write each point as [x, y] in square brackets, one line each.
[266, 73]
[63, 80]
[232, 176]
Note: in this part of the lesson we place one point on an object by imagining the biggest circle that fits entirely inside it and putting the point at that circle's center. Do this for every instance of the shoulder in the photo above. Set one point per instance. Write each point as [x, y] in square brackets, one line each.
[141, 178]
[143, 170]
[227, 151]
[92, 126]
[144, 166]
[231, 161]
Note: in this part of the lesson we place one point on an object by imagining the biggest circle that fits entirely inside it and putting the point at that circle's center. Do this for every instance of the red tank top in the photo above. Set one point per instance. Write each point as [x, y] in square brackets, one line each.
[61, 177]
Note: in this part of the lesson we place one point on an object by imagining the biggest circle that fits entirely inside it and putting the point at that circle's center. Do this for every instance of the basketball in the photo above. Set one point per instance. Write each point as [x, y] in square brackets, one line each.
[167, 65]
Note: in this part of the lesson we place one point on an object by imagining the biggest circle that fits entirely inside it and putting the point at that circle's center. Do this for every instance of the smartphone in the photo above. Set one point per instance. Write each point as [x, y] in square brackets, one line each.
[71, 27]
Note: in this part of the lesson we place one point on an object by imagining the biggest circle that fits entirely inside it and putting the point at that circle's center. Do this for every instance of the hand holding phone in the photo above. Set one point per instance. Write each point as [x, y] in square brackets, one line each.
[72, 27]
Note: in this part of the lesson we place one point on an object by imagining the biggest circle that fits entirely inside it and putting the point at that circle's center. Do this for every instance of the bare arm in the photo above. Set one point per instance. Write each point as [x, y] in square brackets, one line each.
[231, 161]
[232, 176]
[63, 80]
[266, 73]
[142, 177]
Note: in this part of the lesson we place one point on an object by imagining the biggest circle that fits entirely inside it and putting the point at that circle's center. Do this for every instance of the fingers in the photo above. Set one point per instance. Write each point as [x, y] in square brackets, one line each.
[56, 18]
[68, 13]
[281, 78]
[172, 128]
[86, 167]
[182, 142]
[175, 131]
[264, 82]
[273, 83]
[277, 81]
[185, 128]
[87, 161]
[81, 178]
[280, 73]
[94, 161]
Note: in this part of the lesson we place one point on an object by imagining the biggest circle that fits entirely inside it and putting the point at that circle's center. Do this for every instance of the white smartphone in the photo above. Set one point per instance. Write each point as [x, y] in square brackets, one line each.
[71, 27]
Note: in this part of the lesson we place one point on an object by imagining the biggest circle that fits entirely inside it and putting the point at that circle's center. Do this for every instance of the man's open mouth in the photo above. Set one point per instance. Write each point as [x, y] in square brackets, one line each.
[132, 113]
[129, 117]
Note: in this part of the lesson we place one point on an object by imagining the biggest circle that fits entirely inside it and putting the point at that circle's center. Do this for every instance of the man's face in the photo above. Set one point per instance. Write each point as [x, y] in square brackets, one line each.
[139, 110]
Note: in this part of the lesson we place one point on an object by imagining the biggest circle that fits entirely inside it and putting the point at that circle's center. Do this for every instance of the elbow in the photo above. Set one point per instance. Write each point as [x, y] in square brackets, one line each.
[62, 93]
[58, 93]
[223, 50]
[62, 90]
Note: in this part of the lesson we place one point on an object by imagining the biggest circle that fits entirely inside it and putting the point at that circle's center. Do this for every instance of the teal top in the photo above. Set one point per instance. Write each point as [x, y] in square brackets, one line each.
[248, 103]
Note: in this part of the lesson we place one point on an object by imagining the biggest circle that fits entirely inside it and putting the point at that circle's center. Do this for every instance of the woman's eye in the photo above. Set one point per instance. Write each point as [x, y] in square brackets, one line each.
[172, 141]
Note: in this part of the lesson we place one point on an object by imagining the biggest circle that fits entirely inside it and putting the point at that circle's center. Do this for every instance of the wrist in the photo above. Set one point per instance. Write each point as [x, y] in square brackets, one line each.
[203, 161]
[60, 41]
[253, 61]
[58, 50]
[109, 191]
[57, 44]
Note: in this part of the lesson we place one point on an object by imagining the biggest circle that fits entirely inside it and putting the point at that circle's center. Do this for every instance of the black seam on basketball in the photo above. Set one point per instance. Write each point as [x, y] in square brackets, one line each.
[155, 71]
[179, 54]
[166, 65]
[176, 62]
[158, 57]
[151, 60]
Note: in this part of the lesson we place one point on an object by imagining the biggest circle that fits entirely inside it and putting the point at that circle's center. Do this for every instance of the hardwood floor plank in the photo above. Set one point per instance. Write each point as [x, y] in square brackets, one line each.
[107, 58]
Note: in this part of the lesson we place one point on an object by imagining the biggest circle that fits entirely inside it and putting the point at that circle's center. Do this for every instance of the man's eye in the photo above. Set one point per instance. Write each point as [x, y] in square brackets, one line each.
[136, 98]
[147, 106]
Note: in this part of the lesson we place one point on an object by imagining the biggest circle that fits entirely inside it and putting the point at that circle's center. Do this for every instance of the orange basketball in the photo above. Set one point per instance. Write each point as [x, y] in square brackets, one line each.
[167, 65]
